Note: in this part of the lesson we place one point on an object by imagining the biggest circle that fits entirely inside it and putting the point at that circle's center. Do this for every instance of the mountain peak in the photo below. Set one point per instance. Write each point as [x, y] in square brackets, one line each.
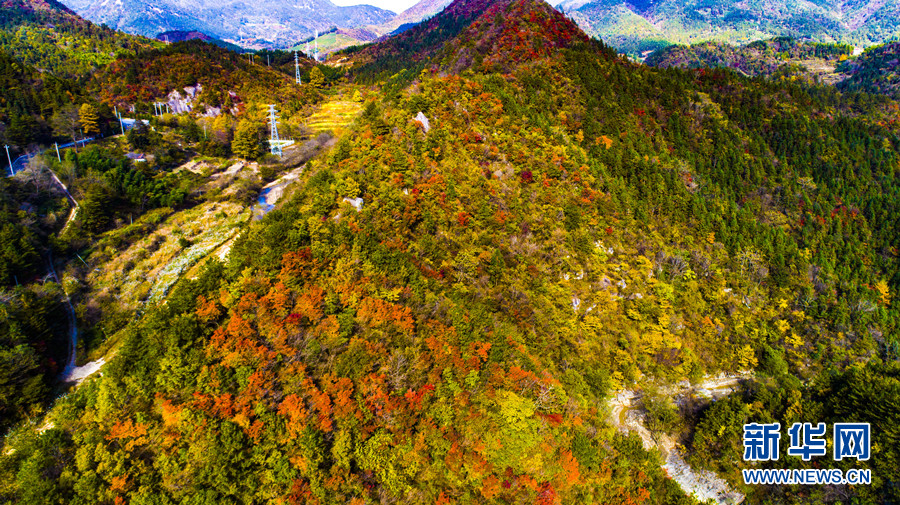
[493, 33]
[513, 31]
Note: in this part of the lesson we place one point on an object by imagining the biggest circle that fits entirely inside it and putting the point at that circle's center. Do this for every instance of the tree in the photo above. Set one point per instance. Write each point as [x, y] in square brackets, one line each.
[141, 136]
[89, 119]
[316, 78]
[95, 209]
[22, 130]
[246, 141]
[66, 122]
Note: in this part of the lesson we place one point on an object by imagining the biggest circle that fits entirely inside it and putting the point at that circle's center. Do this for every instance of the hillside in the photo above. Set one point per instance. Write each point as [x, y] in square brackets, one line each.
[874, 71]
[639, 27]
[518, 226]
[781, 57]
[52, 38]
[39, 7]
[438, 40]
[47, 53]
[225, 78]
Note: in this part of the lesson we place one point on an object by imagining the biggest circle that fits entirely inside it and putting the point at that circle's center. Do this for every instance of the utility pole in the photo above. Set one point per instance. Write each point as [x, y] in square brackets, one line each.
[58, 158]
[317, 46]
[10, 159]
[297, 68]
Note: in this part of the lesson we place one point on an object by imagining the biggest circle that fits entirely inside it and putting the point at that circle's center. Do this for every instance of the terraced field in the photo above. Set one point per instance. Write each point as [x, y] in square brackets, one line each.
[149, 268]
[334, 116]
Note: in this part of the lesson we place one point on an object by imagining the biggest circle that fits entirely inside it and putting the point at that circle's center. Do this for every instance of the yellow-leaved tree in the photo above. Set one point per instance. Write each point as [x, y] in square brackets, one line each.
[883, 291]
[89, 119]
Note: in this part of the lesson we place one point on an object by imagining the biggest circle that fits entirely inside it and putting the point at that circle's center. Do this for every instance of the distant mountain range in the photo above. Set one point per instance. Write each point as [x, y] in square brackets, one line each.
[637, 27]
[267, 22]
[641, 26]
[339, 38]
[412, 16]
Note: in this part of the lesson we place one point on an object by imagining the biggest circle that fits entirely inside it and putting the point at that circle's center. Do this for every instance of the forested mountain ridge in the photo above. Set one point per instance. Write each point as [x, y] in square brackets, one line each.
[775, 58]
[50, 37]
[439, 312]
[47, 57]
[407, 52]
[225, 78]
[639, 27]
[32, 6]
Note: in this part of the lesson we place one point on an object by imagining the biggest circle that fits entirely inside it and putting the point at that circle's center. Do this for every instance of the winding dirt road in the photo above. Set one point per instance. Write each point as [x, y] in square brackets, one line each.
[626, 415]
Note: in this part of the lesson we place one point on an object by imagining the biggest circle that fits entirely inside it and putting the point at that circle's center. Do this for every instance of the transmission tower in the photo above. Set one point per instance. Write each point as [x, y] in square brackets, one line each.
[297, 68]
[276, 144]
[317, 46]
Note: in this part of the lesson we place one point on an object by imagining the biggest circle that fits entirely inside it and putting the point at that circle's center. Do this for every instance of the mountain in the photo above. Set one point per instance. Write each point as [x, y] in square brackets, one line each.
[268, 22]
[21, 11]
[44, 6]
[220, 78]
[414, 15]
[781, 57]
[340, 38]
[48, 36]
[516, 275]
[642, 26]
[407, 53]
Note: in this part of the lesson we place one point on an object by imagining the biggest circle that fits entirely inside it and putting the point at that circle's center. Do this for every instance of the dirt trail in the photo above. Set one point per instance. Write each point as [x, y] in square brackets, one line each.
[626, 415]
